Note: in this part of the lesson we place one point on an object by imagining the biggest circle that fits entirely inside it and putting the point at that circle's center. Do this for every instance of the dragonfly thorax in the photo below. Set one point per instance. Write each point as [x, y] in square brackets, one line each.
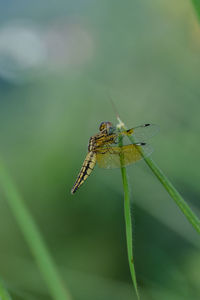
[105, 137]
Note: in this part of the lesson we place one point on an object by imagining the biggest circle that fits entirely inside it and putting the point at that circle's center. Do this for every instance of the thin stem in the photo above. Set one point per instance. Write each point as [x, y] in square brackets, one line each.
[127, 214]
[196, 4]
[186, 210]
[33, 237]
[4, 295]
[128, 222]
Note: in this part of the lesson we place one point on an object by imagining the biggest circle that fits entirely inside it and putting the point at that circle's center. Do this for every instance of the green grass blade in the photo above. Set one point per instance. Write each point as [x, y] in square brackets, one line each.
[4, 295]
[33, 237]
[127, 214]
[128, 222]
[196, 4]
[186, 210]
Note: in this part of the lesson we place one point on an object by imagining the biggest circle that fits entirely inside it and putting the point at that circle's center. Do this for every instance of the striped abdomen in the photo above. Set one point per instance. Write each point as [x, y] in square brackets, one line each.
[85, 171]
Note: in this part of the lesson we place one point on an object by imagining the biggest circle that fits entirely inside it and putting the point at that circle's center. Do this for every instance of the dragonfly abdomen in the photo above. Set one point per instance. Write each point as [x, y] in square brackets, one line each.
[86, 169]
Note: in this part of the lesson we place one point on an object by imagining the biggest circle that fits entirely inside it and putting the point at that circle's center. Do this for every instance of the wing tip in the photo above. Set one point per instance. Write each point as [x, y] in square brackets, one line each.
[140, 144]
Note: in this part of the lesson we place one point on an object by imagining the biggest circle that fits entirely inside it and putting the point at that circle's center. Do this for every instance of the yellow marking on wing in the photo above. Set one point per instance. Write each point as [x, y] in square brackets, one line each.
[143, 132]
[140, 133]
[127, 132]
[85, 171]
[109, 157]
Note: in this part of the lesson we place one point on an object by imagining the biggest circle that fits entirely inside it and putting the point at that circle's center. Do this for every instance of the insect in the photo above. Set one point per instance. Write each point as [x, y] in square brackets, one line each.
[103, 148]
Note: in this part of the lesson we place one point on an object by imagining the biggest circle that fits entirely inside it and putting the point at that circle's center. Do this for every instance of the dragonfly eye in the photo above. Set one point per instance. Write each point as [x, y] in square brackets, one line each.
[106, 126]
[102, 126]
[111, 130]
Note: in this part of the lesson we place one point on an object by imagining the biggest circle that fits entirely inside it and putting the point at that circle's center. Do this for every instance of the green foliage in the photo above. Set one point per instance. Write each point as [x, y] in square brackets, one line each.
[128, 222]
[33, 237]
[4, 295]
[192, 218]
[196, 4]
[146, 54]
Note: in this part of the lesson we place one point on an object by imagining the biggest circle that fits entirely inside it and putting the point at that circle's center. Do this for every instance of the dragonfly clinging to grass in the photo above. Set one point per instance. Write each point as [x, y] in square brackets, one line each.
[103, 148]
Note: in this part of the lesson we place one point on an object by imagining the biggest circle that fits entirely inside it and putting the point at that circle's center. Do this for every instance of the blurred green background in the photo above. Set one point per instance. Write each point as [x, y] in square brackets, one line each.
[59, 62]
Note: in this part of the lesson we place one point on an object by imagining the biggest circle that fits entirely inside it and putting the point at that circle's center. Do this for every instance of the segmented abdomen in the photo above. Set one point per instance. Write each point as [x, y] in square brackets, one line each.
[85, 171]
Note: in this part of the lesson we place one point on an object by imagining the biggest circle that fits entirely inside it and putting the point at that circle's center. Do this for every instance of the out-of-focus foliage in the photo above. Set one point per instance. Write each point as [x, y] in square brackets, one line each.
[59, 62]
[197, 6]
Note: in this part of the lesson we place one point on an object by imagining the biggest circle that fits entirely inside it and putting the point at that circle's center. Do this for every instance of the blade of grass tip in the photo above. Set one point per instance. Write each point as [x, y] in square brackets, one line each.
[196, 4]
[128, 222]
[4, 295]
[186, 210]
[33, 237]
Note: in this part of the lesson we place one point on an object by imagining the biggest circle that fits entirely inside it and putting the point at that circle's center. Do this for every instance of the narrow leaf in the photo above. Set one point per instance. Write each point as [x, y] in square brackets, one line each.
[196, 4]
[186, 210]
[33, 237]
[4, 295]
[128, 222]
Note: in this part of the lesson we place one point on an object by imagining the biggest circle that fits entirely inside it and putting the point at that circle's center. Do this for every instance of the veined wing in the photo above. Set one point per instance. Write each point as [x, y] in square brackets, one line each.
[115, 157]
[142, 133]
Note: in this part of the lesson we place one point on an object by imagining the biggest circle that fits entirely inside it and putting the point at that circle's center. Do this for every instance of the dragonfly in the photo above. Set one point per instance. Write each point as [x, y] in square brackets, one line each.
[104, 149]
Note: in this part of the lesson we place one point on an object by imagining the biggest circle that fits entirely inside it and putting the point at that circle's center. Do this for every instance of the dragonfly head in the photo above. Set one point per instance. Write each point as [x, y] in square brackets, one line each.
[107, 127]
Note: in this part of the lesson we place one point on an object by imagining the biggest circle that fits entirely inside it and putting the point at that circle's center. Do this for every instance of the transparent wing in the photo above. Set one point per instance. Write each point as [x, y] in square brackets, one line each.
[115, 157]
[142, 133]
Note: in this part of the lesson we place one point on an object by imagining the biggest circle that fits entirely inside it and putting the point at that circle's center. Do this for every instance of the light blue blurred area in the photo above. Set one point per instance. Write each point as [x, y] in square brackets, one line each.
[60, 62]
